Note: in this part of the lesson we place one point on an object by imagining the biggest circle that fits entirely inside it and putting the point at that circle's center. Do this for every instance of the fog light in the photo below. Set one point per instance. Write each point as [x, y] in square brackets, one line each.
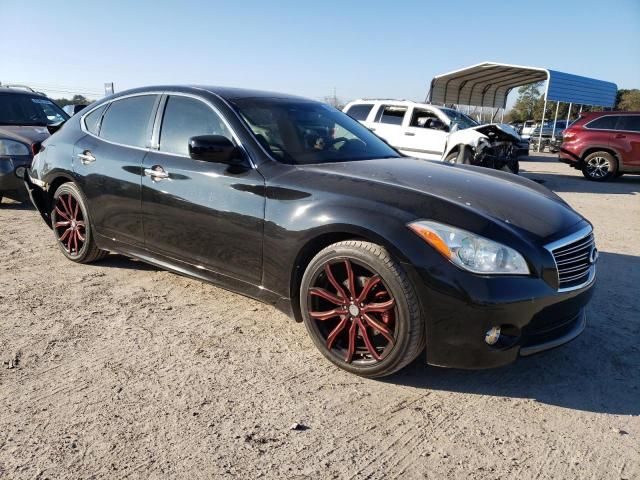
[20, 172]
[492, 336]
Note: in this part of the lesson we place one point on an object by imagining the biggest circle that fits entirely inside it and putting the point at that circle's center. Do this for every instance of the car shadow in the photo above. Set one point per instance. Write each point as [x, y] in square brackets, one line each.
[573, 181]
[597, 372]
[8, 204]
[114, 260]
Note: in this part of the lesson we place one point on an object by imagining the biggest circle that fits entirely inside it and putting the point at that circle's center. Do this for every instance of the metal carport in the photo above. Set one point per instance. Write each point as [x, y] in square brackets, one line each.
[488, 85]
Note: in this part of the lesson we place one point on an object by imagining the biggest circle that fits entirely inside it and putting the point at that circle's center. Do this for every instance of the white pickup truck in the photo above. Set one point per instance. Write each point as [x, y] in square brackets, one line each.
[438, 133]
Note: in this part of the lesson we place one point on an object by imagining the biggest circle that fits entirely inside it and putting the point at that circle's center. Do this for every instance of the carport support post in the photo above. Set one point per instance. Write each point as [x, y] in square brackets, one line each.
[555, 119]
[569, 113]
[544, 111]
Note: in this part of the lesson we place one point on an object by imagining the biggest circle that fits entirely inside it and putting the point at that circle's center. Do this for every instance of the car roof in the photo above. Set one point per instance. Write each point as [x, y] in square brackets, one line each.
[20, 91]
[227, 93]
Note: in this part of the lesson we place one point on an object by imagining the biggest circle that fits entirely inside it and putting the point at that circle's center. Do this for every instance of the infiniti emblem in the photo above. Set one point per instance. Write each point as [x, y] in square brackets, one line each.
[593, 256]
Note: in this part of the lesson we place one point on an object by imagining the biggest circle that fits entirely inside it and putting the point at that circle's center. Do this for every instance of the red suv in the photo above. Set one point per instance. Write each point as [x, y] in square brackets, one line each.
[603, 145]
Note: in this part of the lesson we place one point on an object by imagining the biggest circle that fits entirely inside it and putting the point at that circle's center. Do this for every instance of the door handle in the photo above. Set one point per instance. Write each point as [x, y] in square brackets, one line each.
[156, 173]
[86, 157]
[410, 134]
[620, 135]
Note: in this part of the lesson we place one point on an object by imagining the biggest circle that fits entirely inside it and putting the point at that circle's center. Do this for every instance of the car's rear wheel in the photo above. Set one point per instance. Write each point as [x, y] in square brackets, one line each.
[72, 225]
[361, 310]
[599, 166]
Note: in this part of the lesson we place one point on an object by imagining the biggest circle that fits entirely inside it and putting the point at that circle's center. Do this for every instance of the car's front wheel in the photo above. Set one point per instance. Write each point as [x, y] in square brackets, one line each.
[361, 310]
[72, 226]
[599, 166]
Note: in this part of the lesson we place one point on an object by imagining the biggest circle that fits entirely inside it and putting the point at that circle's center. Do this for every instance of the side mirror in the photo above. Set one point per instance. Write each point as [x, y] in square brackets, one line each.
[214, 148]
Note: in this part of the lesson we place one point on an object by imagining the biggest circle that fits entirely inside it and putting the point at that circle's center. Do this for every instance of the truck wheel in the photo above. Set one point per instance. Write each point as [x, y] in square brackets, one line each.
[453, 157]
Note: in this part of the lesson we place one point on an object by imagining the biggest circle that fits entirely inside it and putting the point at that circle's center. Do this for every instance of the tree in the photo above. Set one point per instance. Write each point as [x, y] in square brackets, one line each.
[76, 100]
[628, 100]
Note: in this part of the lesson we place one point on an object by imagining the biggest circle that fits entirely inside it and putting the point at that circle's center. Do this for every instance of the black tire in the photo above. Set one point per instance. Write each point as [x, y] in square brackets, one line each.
[466, 157]
[402, 321]
[599, 166]
[512, 167]
[71, 220]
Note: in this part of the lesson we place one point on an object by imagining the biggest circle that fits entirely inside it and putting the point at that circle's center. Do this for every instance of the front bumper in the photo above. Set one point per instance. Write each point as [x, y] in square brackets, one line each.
[38, 197]
[532, 315]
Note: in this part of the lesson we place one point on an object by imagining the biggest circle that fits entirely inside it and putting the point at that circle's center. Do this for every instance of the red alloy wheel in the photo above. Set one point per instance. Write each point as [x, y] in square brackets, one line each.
[354, 312]
[69, 224]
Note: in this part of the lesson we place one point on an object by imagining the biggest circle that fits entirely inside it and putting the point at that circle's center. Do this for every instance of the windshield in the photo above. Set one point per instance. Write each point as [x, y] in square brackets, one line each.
[305, 132]
[459, 119]
[20, 109]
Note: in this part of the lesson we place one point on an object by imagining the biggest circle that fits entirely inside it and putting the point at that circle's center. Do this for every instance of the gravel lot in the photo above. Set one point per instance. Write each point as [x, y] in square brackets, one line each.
[120, 370]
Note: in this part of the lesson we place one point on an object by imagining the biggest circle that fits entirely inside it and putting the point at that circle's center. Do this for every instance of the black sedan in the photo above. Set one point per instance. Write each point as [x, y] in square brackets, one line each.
[294, 203]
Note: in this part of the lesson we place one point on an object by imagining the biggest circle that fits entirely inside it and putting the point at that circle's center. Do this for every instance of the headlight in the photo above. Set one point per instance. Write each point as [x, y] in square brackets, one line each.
[470, 251]
[11, 147]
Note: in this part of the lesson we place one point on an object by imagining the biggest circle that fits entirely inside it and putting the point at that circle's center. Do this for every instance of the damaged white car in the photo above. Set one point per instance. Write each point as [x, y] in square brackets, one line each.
[438, 133]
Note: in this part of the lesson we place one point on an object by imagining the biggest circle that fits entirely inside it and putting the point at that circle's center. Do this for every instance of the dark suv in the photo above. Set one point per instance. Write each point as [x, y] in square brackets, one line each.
[603, 145]
[24, 118]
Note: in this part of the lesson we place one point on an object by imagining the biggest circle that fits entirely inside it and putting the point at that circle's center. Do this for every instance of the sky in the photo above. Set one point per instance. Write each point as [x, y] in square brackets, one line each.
[362, 49]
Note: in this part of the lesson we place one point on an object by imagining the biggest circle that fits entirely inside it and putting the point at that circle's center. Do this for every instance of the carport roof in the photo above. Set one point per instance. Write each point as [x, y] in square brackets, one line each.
[488, 84]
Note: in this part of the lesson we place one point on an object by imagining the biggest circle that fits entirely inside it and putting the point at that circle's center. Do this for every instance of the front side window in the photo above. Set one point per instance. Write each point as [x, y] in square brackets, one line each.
[391, 114]
[127, 121]
[629, 123]
[607, 122]
[307, 132]
[459, 119]
[360, 112]
[21, 109]
[186, 117]
[422, 118]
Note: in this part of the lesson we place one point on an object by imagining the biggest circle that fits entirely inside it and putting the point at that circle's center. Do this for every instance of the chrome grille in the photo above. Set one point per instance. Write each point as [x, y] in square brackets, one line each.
[574, 260]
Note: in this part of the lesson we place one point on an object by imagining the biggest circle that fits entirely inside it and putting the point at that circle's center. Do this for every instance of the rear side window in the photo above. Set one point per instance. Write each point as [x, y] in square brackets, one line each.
[92, 121]
[390, 114]
[127, 121]
[605, 123]
[630, 123]
[184, 118]
[359, 112]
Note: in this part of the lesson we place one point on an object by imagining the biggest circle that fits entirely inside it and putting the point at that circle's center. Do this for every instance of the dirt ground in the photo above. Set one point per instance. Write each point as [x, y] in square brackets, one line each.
[120, 370]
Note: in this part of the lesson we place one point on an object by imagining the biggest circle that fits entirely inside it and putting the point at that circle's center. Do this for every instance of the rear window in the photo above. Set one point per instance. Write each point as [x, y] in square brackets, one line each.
[630, 123]
[391, 114]
[127, 121]
[21, 109]
[605, 123]
[359, 112]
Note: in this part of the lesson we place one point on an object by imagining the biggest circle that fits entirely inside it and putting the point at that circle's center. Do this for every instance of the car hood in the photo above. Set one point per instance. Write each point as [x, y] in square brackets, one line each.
[24, 134]
[499, 130]
[510, 200]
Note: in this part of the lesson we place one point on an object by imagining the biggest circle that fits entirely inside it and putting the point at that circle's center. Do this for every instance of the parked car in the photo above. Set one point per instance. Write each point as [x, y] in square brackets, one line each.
[551, 135]
[294, 203]
[438, 133]
[527, 128]
[24, 117]
[603, 145]
[73, 109]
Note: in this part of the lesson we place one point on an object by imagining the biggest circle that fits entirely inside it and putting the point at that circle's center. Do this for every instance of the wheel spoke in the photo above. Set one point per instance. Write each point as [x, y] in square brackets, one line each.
[352, 343]
[336, 331]
[334, 282]
[372, 282]
[66, 234]
[381, 328]
[379, 307]
[328, 314]
[322, 293]
[75, 212]
[67, 208]
[74, 240]
[367, 341]
[62, 224]
[80, 236]
[350, 279]
[62, 214]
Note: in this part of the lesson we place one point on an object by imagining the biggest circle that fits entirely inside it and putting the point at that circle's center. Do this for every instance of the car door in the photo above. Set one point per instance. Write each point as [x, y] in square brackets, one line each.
[626, 139]
[387, 123]
[424, 136]
[207, 214]
[108, 164]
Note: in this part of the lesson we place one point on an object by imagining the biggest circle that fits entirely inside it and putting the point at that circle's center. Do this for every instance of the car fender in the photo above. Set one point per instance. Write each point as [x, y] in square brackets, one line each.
[467, 137]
